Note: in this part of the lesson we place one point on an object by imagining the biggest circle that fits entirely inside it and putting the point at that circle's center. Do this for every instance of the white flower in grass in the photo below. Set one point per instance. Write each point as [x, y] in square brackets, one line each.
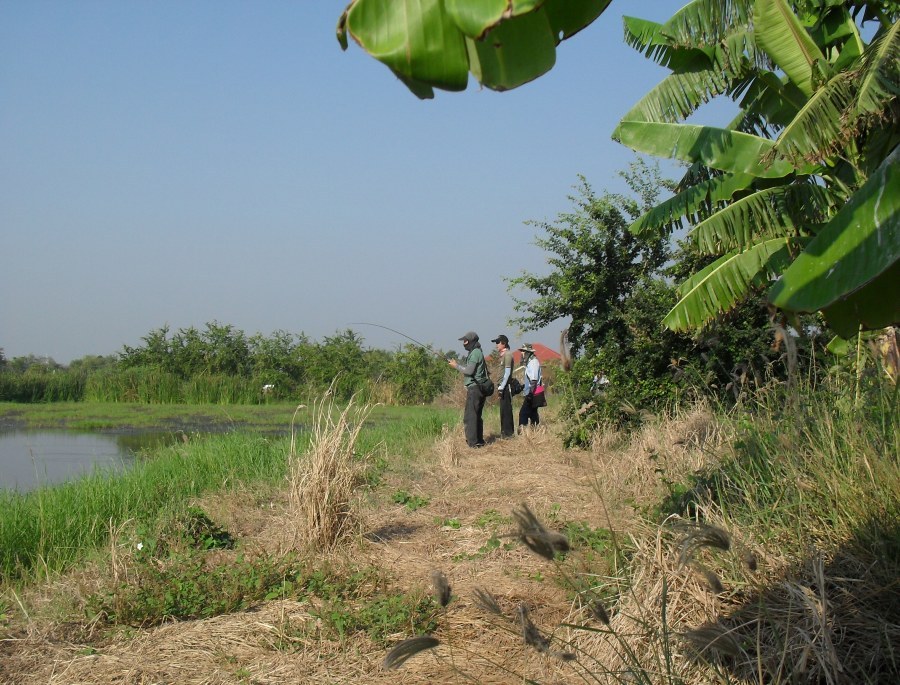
[140, 546]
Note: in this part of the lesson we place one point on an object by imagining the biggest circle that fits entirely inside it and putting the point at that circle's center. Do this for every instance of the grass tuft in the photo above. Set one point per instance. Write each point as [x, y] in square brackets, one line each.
[323, 481]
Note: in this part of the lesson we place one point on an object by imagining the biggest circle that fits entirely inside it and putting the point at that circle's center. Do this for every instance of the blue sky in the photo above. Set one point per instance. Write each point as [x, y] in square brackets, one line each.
[175, 163]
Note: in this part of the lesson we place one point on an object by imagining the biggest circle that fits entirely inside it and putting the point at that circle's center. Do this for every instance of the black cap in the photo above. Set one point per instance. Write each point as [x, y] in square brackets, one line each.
[471, 336]
[501, 338]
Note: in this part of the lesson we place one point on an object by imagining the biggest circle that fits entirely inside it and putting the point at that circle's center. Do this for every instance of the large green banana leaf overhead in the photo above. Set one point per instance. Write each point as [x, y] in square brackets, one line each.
[432, 44]
[799, 194]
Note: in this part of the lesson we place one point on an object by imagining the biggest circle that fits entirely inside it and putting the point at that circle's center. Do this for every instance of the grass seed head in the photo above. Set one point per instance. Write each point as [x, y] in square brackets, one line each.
[408, 648]
[530, 632]
[536, 537]
[487, 601]
[599, 612]
[441, 587]
[749, 560]
[713, 581]
[699, 536]
[712, 637]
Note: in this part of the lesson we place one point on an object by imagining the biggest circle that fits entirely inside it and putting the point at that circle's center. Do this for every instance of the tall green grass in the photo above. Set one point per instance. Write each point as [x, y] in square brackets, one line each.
[53, 527]
[152, 386]
[819, 464]
[55, 385]
[50, 529]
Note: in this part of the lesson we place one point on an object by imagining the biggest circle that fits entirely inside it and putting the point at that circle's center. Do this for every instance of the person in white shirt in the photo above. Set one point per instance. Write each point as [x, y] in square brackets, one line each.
[528, 414]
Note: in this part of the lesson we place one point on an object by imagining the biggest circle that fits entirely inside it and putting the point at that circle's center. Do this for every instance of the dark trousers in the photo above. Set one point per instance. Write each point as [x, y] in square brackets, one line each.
[472, 417]
[507, 428]
[528, 413]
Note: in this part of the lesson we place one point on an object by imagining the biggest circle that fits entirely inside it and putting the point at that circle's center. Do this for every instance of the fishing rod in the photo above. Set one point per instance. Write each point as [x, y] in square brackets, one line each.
[393, 330]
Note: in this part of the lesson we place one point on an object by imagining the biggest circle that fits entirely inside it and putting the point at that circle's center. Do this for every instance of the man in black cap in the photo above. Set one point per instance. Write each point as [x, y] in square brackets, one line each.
[474, 370]
[507, 428]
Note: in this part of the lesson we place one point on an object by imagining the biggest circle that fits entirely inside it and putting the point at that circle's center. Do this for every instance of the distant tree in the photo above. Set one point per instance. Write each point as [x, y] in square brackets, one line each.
[32, 363]
[156, 351]
[278, 357]
[596, 263]
[2, 359]
[339, 363]
[92, 363]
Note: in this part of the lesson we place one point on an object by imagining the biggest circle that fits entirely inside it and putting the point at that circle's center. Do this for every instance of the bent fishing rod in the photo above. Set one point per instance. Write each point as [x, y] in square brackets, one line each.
[393, 330]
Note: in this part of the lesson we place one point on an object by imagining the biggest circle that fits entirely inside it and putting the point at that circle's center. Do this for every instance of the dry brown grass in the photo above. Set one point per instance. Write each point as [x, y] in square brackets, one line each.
[634, 469]
[323, 481]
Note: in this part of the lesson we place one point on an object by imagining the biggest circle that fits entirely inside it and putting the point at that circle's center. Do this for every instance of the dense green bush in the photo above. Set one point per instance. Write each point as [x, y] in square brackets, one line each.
[616, 287]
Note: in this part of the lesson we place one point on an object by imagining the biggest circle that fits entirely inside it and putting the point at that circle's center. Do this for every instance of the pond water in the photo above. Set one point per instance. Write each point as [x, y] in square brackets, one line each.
[33, 458]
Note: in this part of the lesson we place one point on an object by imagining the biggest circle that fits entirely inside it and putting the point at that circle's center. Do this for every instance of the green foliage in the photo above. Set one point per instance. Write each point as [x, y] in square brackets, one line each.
[616, 287]
[492, 519]
[202, 532]
[804, 181]
[185, 586]
[175, 579]
[419, 375]
[596, 263]
[491, 544]
[436, 43]
[222, 365]
[411, 502]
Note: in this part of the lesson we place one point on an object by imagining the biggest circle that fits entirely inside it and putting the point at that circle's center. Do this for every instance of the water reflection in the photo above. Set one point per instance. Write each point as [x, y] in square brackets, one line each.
[30, 459]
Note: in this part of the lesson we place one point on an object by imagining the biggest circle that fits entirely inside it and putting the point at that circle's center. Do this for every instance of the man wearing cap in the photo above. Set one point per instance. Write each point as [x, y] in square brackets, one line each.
[507, 428]
[474, 370]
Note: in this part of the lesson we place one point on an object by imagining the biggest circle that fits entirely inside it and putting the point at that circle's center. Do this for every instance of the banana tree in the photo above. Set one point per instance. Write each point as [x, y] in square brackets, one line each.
[432, 44]
[800, 192]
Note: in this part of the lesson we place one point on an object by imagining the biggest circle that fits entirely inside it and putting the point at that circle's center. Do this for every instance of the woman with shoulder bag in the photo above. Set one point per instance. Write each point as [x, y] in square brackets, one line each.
[528, 414]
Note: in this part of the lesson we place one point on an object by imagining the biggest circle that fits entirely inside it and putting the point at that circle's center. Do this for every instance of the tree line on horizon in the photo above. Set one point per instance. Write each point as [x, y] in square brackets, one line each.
[222, 364]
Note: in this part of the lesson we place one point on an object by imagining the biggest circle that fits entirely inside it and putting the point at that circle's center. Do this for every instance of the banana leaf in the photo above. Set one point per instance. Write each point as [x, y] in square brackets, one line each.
[780, 33]
[719, 148]
[861, 242]
[475, 19]
[515, 52]
[726, 281]
[416, 39]
[690, 201]
[435, 43]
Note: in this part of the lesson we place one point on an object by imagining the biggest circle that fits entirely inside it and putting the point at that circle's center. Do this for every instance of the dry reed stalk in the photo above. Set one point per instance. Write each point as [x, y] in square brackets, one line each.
[322, 481]
[447, 448]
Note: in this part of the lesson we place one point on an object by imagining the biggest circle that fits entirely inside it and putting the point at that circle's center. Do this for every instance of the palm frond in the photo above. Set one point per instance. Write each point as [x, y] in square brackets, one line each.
[738, 224]
[647, 37]
[678, 95]
[706, 22]
[819, 128]
[880, 78]
[768, 105]
[690, 202]
[722, 284]
[812, 204]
